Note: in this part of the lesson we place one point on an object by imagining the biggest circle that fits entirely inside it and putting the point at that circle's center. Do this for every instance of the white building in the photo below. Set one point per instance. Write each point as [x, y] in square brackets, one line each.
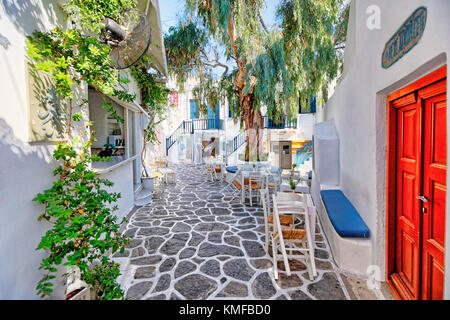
[383, 143]
[26, 164]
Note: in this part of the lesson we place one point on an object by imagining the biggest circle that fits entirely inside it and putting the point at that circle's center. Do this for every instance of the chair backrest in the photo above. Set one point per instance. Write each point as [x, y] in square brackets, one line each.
[274, 177]
[289, 196]
[219, 161]
[276, 222]
[265, 198]
[257, 177]
[235, 176]
[312, 213]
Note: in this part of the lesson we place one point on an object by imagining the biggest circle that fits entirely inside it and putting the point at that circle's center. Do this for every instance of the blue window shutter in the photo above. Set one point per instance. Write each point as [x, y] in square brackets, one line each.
[194, 111]
[313, 105]
[210, 114]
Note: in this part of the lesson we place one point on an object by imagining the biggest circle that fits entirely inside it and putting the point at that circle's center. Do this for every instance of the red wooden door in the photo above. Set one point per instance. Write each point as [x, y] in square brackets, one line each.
[408, 220]
[416, 193]
[434, 189]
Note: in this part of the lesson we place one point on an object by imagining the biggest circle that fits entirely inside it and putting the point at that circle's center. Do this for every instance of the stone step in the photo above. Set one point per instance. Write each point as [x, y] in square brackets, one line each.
[143, 198]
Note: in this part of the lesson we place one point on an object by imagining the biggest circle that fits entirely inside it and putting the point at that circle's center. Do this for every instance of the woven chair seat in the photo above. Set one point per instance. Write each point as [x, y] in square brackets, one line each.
[284, 220]
[237, 185]
[292, 234]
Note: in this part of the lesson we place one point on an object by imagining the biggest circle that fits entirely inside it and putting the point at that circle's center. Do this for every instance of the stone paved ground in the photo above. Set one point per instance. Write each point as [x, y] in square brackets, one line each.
[193, 242]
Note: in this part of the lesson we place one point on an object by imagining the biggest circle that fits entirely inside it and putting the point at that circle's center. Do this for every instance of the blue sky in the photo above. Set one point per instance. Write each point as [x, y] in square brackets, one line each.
[171, 8]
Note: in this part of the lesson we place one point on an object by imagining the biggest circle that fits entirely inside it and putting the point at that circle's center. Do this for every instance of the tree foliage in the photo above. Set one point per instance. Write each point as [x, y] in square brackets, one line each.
[309, 28]
[272, 67]
[184, 44]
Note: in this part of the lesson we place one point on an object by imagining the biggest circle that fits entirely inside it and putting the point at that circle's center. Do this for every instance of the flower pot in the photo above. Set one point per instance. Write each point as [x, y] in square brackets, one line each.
[148, 183]
[80, 294]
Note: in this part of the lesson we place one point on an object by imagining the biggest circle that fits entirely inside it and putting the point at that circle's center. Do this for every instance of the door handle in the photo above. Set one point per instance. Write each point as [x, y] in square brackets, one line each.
[422, 198]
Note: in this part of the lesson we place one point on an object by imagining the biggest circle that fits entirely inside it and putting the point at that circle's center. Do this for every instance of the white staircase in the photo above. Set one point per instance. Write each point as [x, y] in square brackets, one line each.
[142, 196]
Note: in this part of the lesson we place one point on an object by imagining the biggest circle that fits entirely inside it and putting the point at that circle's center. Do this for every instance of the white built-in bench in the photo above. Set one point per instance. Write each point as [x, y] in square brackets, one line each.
[347, 233]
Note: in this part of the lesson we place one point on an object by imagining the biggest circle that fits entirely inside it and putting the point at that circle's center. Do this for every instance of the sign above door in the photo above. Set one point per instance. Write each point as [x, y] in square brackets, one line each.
[405, 38]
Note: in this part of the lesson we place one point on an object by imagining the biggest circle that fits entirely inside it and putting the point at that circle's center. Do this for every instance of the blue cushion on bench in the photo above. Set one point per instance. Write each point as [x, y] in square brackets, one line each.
[232, 169]
[343, 215]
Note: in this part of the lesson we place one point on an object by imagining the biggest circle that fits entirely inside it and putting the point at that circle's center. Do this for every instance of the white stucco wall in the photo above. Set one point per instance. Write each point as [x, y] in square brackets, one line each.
[123, 183]
[305, 124]
[26, 168]
[358, 105]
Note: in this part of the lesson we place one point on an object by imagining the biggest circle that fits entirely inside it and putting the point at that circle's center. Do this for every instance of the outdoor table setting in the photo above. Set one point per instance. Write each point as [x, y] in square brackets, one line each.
[294, 182]
[260, 173]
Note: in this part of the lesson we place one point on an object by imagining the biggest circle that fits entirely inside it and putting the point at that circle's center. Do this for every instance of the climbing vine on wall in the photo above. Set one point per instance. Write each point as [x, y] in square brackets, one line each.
[154, 96]
[84, 231]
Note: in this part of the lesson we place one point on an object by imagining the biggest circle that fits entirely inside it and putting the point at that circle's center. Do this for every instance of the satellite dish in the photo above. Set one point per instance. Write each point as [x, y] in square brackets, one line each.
[129, 37]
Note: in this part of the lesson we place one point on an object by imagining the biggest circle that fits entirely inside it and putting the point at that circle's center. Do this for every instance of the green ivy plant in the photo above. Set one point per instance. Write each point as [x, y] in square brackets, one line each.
[91, 13]
[71, 58]
[84, 228]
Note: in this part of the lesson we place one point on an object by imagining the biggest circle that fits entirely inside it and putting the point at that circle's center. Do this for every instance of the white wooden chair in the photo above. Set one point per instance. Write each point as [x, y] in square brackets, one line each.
[210, 168]
[219, 169]
[286, 221]
[234, 186]
[273, 182]
[285, 202]
[299, 240]
[256, 182]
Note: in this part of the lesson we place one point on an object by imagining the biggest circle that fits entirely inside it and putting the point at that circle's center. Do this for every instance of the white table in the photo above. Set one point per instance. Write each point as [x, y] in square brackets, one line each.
[302, 187]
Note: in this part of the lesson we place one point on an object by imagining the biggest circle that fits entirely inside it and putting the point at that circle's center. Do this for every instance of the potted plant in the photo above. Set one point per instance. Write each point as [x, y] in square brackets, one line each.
[293, 182]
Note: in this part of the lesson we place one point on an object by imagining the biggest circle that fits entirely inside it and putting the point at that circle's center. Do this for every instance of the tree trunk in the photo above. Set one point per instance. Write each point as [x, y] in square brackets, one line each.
[254, 124]
[254, 127]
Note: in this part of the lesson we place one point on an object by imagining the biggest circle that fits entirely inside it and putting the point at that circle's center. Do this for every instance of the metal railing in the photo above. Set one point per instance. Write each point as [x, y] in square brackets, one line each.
[190, 126]
[283, 124]
[304, 154]
[234, 144]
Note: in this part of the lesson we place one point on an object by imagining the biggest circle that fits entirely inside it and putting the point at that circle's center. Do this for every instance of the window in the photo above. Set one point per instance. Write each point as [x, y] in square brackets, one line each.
[230, 113]
[114, 138]
[194, 111]
[213, 118]
[212, 114]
